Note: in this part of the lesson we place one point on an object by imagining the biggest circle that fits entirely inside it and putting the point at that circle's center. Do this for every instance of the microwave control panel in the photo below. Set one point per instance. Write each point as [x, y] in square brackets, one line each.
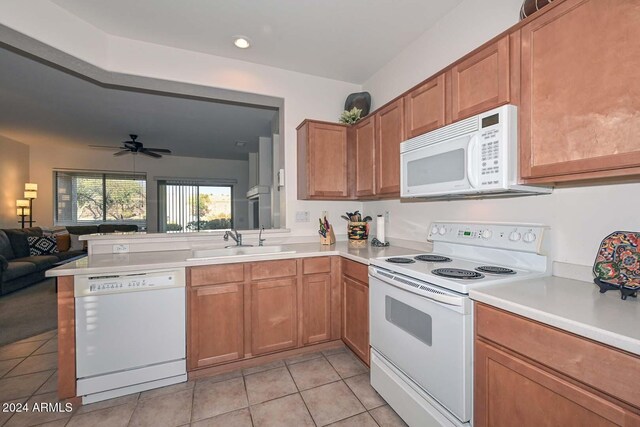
[490, 164]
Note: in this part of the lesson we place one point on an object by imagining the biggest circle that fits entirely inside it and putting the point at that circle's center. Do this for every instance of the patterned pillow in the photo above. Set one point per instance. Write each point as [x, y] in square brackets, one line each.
[42, 245]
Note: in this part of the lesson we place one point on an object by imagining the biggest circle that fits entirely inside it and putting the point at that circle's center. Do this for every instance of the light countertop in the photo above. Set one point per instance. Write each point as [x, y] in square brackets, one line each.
[117, 263]
[572, 305]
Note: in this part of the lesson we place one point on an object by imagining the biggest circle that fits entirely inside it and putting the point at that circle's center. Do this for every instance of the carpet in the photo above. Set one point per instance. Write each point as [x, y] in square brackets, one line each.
[29, 311]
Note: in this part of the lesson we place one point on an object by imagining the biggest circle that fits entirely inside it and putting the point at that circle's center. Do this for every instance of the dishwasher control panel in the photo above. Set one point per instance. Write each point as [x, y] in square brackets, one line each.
[132, 282]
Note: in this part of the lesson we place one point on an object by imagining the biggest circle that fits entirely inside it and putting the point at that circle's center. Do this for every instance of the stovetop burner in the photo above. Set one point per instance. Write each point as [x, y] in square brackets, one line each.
[457, 273]
[432, 258]
[400, 260]
[492, 269]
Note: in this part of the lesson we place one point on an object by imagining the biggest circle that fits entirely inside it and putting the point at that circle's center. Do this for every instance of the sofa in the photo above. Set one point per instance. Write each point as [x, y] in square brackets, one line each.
[19, 269]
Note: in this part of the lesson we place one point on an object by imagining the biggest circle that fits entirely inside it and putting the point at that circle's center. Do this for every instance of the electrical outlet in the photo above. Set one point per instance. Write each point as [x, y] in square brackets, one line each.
[386, 216]
[120, 249]
[303, 216]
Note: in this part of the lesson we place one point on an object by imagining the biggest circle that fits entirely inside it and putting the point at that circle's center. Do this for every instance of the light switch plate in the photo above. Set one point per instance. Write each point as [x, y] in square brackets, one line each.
[302, 216]
[120, 249]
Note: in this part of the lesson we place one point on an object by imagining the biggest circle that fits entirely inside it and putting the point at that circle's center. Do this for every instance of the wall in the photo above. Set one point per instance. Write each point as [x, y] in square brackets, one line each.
[44, 159]
[304, 95]
[14, 164]
[579, 217]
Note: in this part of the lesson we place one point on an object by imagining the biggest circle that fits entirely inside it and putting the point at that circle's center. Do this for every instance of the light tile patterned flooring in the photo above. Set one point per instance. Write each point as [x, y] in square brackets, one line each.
[318, 389]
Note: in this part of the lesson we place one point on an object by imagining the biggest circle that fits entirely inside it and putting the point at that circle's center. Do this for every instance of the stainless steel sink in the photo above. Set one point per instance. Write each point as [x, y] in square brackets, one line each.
[238, 251]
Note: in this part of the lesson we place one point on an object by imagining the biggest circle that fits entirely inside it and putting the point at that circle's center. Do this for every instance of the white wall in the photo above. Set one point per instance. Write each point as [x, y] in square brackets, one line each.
[14, 173]
[579, 217]
[44, 159]
[305, 96]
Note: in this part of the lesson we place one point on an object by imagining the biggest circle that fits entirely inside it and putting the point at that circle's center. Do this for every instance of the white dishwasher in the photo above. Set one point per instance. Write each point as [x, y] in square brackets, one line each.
[130, 332]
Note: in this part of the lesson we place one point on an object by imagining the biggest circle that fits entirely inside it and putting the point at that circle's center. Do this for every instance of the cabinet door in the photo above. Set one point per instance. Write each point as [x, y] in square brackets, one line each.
[215, 324]
[355, 317]
[364, 162]
[316, 300]
[511, 392]
[425, 107]
[481, 82]
[579, 117]
[273, 315]
[322, 161]
[389, 135]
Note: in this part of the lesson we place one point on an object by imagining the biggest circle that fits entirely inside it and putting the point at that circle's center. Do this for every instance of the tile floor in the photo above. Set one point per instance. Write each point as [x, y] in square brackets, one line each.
[318, 389]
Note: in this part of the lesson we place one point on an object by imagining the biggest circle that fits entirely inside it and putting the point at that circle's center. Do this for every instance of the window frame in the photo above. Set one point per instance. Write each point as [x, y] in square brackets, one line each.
[105, 175]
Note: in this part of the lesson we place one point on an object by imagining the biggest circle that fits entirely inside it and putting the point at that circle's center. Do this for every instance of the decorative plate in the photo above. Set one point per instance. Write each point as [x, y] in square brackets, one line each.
[618, 260]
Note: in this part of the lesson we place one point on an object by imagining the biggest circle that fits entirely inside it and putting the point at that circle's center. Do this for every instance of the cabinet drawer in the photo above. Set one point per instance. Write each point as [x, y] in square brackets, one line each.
[606, 369]
[355, 270]
[273, 269]
[216, 274]
[316, 265]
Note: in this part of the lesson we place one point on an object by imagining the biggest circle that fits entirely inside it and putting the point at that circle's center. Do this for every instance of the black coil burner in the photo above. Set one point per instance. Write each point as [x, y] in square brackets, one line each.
[400, 260]
[457, 273]
[432, 258]
[492, 269]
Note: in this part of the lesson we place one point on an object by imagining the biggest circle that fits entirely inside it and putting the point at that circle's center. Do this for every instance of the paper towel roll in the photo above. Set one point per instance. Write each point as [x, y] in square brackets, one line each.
[380, 228]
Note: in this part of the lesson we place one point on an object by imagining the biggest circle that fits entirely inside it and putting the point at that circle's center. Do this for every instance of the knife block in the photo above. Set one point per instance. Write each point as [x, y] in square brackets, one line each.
[330, 239]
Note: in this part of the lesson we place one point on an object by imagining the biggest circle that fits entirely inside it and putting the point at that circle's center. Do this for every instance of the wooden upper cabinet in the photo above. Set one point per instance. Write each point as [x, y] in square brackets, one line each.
[363, 141]
[425, 106]
[389, 135]
[215, 324]
[322, 161]
[274, 315]
[482, 81]
[580, 112]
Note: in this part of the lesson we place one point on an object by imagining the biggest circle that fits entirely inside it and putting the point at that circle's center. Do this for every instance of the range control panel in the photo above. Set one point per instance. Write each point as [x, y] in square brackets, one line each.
[519, 237]
[143, 281]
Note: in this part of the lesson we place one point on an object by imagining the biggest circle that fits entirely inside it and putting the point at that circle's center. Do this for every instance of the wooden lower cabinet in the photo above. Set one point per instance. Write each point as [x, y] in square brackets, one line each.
[268, 307]
[316, 314]
[274, 315]
[215, 324]
[355, 310]
[535, 385]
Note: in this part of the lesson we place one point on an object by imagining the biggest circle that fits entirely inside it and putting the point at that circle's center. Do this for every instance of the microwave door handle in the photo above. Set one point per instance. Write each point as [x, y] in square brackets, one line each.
[472, 161]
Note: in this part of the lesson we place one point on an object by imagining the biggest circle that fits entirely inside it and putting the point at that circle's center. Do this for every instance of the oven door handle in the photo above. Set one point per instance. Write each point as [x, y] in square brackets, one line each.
[450, 300]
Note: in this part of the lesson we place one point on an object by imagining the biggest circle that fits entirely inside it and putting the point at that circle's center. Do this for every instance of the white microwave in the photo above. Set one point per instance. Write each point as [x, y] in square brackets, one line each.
[477, 156]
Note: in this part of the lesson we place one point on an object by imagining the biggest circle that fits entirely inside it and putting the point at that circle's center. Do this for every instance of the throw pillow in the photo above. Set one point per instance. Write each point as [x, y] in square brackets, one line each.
[42, 245]
[64, 242]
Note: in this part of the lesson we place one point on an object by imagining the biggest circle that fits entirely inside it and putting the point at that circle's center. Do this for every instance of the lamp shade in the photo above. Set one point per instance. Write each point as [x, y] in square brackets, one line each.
[30, 194]
[22, 203]
[30, 186]
[23, 211]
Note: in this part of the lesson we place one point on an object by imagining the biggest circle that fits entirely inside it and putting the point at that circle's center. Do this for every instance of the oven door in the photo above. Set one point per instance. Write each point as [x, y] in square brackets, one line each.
[447, 167]
[428, 338]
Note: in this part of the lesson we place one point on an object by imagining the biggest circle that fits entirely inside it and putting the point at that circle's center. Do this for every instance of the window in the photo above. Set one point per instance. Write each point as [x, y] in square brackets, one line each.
[95, 198]
[190, 206]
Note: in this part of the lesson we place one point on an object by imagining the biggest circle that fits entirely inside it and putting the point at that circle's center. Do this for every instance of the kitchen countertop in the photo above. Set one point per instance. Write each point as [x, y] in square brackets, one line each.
[134, 261]
[572, 305]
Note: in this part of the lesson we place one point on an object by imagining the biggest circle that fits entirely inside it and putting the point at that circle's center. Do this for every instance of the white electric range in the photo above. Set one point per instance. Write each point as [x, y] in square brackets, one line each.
[421, 317]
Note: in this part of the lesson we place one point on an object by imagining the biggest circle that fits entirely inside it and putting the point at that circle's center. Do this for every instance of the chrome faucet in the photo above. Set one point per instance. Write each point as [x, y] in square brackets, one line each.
[260, 239]
[237, 237]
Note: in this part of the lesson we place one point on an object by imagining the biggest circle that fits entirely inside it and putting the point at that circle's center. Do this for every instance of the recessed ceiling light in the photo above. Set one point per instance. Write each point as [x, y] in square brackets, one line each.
[242, 42]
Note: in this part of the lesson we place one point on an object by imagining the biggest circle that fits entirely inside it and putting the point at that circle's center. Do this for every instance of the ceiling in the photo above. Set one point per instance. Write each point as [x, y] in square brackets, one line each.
[344, 40]
[43, 105]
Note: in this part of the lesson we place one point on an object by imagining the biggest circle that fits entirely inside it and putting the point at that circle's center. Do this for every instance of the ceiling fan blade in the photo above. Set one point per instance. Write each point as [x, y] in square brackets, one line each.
[149, 153]
[159, 150]
[106, 147]
[122, 152]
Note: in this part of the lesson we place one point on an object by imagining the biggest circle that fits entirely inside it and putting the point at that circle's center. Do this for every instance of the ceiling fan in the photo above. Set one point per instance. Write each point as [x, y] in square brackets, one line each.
[134, 147]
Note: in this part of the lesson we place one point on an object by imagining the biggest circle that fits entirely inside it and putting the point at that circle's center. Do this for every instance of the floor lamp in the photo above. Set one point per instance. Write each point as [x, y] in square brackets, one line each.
[30, 193]
[23, 210]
